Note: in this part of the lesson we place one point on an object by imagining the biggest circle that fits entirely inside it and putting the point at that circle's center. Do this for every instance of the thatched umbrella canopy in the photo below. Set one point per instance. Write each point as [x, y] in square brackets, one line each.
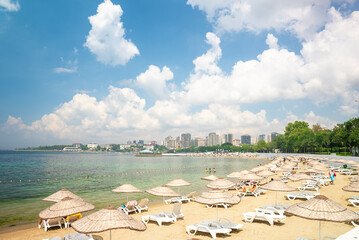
[354, 179]
[106, 219]
[312, 170]
[178, 182]
[58, 196]
[277, 186]
[215, 197]
[250, 176]
[66, 207]
[126, 188]
[323, 209]
[221, 183]
[259, 169]
[234, 175]
[299, 176]
[353, 187]
[163, 192]
[265, 173]
[210, 178]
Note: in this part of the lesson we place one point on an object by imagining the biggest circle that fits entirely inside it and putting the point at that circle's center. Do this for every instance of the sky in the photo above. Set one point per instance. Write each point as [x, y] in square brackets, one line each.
[113, 70]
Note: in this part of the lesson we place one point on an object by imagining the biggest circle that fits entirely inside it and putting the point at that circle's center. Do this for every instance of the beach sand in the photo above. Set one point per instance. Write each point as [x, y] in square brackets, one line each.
[291, 228]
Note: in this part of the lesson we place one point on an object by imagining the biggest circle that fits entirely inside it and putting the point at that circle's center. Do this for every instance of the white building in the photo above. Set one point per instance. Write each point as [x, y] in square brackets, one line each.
[148, 147]
[92, 145]
[236, 142]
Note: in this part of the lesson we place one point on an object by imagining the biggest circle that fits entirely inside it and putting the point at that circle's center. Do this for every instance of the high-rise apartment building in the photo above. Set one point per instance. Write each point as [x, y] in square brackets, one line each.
[246, 139]
[199, 142]
[185, 140]
[213, 139]
[262, 137]
[228, 138]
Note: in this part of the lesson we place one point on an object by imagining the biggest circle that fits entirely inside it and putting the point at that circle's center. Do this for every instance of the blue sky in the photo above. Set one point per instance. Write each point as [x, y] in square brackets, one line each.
[111, 71]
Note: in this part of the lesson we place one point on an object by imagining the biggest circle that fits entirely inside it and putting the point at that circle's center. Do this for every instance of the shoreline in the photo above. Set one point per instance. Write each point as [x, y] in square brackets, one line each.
[291, 228]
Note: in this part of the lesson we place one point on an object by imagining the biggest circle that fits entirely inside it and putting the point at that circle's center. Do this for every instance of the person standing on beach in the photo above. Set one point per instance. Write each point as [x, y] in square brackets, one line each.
[332, 176]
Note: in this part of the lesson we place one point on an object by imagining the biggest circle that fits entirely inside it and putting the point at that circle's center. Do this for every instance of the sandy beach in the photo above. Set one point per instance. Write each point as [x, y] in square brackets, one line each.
[291, 228]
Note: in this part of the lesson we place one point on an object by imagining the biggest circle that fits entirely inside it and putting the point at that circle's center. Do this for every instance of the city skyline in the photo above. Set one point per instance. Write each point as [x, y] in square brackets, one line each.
[112, 70]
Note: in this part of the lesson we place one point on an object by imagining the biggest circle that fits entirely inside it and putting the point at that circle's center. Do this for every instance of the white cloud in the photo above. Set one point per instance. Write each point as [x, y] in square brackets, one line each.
[154, 81]
[106, 39]
[303, 18]
[272, 41]
[273, 76]
[65, 70]
[8, 5]
[311, 118]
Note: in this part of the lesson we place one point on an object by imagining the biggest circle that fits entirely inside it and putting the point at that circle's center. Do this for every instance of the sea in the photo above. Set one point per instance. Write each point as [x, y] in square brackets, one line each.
[26, 177]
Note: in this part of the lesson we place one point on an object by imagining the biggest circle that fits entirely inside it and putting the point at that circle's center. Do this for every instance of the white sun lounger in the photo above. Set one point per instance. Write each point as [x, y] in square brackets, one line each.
[309, 187]
[225, 205]
[54, 238]
[255, 193]
[350, 235]
[271, 216]
[181, 199]
[354, 202]
[142, 205]
[225, 223]
[165, 216]
[280, 207]
[212, 228]
[48, 223]
[78, 236]
[302, 195]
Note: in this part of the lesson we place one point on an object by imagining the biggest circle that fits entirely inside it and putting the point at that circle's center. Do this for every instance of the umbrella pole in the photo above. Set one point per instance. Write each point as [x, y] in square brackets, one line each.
[68, 226]
[217, 211]
[276, 193]
[110, 234]
[163, 203]
[320, 226]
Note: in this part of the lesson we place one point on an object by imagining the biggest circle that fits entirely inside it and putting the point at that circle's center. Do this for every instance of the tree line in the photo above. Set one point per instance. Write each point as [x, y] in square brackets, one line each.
[298, 137]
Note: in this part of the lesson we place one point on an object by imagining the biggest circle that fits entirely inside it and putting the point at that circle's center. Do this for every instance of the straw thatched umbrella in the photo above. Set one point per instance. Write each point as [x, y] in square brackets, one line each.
[215, 197]
[354, 179]
[163, 192]
[259, 169]
[59, 195]
[106, 219]
[250, 176]
[126, 188]
[221, 183]
[323, 209]
[353, 187]
[178, 182]
[234, 175]
[277, 186]
[210, 178]
[300, 176]
[265, 173]
[66, 207]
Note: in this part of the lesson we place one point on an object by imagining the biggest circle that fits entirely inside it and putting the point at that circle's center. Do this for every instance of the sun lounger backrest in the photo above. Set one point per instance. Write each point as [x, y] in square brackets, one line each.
[143, 202]
[191, 195]
[177, 209]
[53, 221]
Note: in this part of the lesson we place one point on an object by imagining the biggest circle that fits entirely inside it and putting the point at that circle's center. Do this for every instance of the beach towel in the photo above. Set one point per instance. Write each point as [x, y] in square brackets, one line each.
[133, 203]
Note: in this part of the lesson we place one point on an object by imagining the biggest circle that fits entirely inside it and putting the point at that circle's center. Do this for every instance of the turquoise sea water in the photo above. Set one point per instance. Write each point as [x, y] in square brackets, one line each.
[28, 177]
